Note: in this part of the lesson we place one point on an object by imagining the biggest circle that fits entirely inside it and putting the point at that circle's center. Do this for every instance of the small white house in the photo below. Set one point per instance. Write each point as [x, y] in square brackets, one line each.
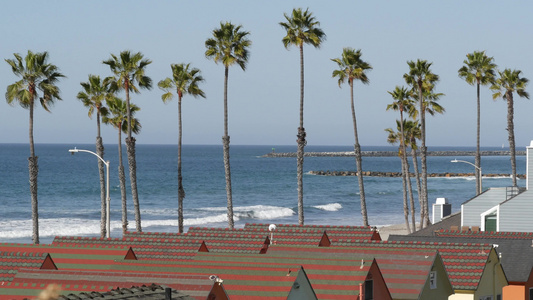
[503, 209]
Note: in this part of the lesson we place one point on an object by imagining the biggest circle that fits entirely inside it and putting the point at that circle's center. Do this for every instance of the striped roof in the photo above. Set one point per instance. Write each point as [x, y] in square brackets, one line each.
[14, 257]
[11, 262]
[29, 283]
[242, 280]
[464, 262]
[308, 227]
[151, 292]
[405, 270]
[293, 235]
[179, 248]
[347, 232]
[485, 234]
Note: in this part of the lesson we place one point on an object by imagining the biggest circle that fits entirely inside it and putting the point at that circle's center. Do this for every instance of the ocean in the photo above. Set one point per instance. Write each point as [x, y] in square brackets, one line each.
[264, 189]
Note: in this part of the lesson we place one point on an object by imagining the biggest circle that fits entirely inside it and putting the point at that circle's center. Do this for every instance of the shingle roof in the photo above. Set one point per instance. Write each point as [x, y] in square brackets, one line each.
[485, 234]
[12, 261]
[405, 272]
[464, 262]
[32, 281]
[516, 254]
[184, 247]
[445, 223]
[151, 292]
[242, 279]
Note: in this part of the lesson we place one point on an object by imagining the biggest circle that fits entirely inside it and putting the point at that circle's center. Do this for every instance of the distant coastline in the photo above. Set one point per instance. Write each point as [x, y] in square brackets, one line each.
[398, 174]
[391, 153]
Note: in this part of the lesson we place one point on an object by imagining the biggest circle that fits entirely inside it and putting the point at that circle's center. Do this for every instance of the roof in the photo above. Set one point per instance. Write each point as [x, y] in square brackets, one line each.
[31, 282]
[242, 277]
[464, 262]
[11, 262]
[148, 246]
[151, 292]
[446, 223]
[405, 271]
[485, 234]
[516, 255]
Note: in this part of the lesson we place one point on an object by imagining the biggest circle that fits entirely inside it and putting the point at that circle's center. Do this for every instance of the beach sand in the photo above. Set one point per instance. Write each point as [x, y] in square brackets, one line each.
[385, 231]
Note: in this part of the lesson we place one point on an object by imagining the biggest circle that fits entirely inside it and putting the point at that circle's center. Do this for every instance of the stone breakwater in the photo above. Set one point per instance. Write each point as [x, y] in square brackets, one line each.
[399, 174]
[391, 153]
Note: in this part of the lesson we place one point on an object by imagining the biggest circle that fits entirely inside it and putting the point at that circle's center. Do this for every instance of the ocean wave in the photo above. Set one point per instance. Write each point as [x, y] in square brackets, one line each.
[329, 207]
[54, 227]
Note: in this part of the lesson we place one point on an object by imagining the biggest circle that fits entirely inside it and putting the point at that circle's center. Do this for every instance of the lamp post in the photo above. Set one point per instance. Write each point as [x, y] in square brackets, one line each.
[480, 174]
[108, 224]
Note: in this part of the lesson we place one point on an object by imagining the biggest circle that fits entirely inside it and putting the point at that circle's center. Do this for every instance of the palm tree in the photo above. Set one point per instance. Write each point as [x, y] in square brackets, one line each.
[422, 79]
[118, 108]
[229, 45]
[403, 102]
[302, 28]
[129, 70]
[95, 92]
[412, 134]
[36, 75]
[508, 83]
[478, 69]
[184, 81]
[352, 67]
[392, 139]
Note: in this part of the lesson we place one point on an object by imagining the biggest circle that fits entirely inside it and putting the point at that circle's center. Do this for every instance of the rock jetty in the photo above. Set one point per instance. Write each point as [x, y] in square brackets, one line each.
[391, 153]
[399, 174]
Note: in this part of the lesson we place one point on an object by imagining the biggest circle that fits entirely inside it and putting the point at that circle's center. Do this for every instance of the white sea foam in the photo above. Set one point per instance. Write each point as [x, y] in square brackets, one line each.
[329, 207]
[52, 227]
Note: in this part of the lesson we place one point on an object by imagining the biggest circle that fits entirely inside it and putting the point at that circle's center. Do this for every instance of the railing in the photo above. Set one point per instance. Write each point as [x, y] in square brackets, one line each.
[512, 191]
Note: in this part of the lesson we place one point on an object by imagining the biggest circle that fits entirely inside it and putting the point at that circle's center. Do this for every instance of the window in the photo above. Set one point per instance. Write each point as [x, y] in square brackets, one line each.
[369, 290]
[433, 280]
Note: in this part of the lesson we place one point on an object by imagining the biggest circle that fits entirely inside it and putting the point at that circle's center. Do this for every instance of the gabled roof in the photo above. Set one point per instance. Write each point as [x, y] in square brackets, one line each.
[151, 292]
[516, 254]
[167, 248]
[242, 278]
[31, 282]
[11, 262]
[446, 223]
[356, 232]
[464, 262]
[405, 271]
[485, 234]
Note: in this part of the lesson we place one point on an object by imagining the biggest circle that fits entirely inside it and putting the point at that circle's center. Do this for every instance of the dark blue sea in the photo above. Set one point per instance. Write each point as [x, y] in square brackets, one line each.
[264, 189]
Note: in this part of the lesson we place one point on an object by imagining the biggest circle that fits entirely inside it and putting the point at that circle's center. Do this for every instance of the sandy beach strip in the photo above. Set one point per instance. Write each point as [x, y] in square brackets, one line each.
[386, 230]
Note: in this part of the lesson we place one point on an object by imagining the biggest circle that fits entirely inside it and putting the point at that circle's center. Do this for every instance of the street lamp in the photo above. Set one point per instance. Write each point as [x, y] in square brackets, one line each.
[478, 168]
[108, 226]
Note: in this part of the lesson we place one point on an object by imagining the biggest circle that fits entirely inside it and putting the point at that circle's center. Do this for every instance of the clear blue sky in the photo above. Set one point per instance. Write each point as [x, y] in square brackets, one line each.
[263, 100]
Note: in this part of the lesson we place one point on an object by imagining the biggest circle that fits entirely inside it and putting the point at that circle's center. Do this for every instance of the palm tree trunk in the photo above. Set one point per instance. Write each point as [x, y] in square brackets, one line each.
[132, 164]
[423, 159]
[405, 165]
[405, 208]
[181, 191]
[418, 185]
[100, 152]
[122, 180]
[477, 160]
[301, 144]
[510, 129]
[130, 146]
[410, 190]
[358, 160]
[225, 145]
[33, 169]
